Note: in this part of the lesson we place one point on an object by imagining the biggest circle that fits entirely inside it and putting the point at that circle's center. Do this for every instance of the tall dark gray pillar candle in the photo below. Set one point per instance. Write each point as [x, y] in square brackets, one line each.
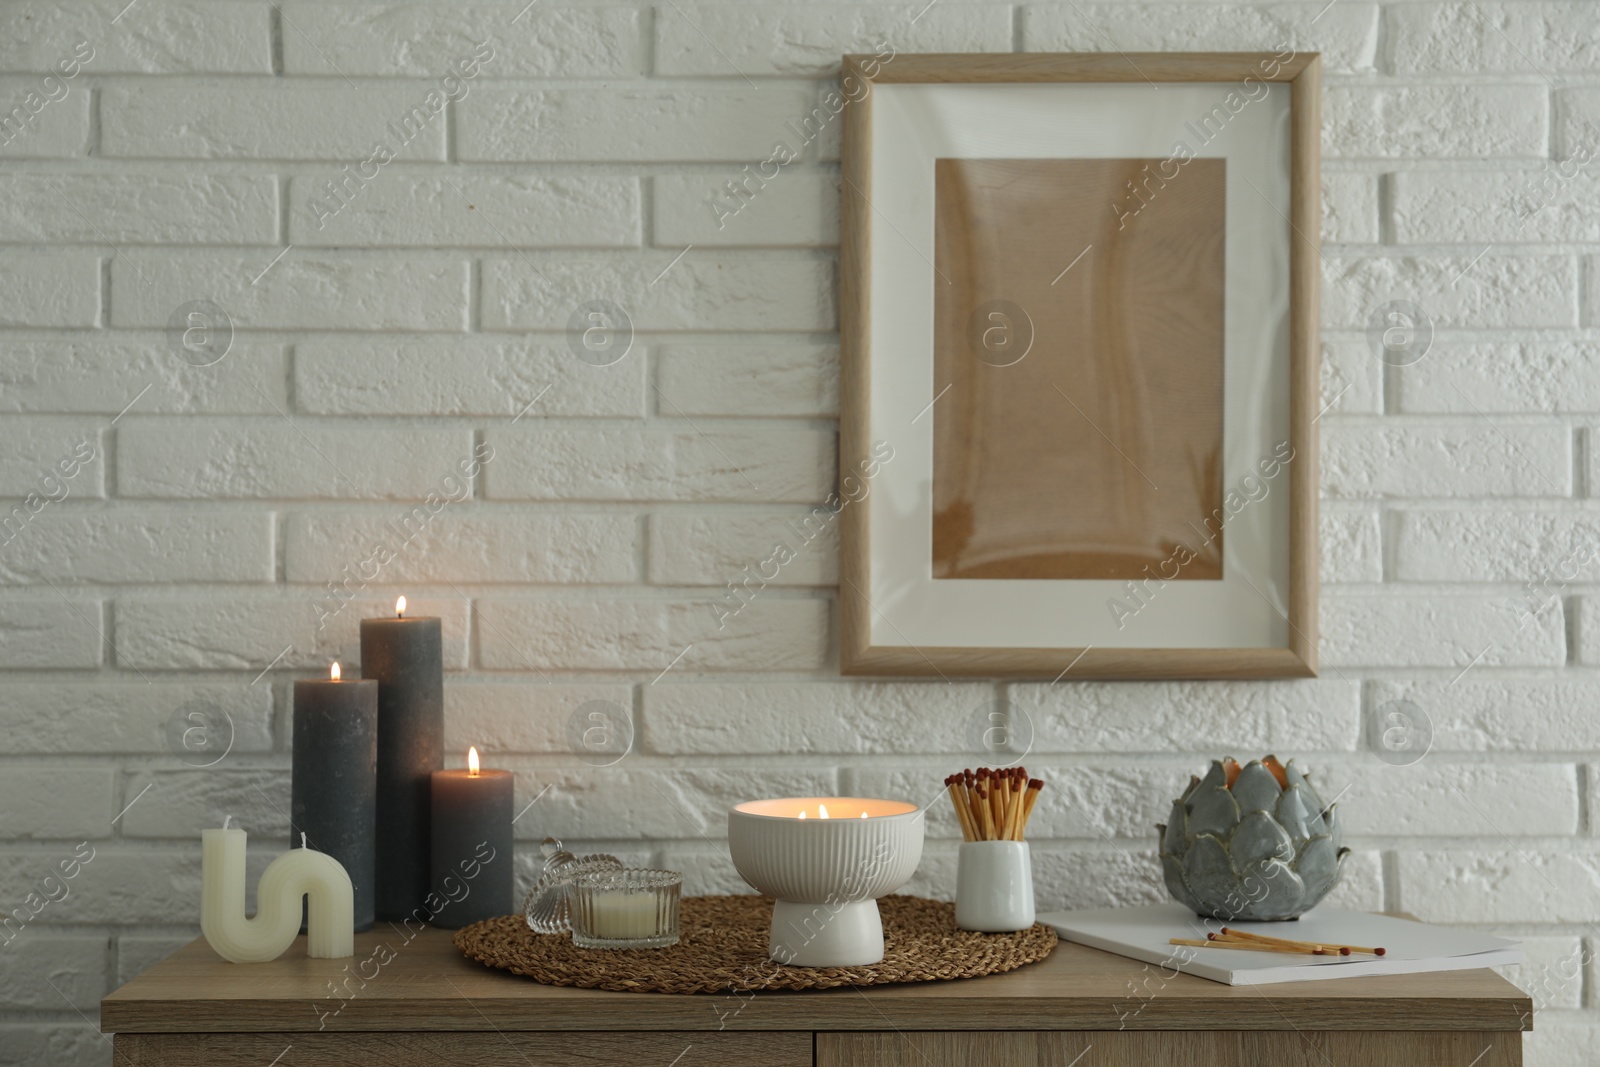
[334, 792]
[472, 876]
[404, 656]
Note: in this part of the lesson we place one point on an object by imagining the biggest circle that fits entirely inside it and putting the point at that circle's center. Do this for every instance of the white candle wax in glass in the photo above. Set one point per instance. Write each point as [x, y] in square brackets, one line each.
[622, 915]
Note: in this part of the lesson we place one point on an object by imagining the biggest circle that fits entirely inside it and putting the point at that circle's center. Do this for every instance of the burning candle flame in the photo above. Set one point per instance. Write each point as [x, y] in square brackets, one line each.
[334, 672]
[863, 815]
[472, 762]
[822, 812]
[400, 608]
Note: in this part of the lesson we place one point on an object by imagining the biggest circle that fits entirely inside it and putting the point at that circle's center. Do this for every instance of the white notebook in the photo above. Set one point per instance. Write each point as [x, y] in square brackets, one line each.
[1143, 934]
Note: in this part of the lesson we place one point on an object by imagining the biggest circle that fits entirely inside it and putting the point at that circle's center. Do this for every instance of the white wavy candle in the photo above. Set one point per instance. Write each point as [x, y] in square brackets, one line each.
[298, 873]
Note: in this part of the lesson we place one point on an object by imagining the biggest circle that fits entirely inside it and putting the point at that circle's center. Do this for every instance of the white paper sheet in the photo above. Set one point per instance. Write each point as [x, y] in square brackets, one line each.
[1143, 934]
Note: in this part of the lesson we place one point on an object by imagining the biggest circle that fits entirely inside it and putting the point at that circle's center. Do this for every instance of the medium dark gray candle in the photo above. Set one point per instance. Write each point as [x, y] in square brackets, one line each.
[472, 876]
[404, 656]
[334, 791]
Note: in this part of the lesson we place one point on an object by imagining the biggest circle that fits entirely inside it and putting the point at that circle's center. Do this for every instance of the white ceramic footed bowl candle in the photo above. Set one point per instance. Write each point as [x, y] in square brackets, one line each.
[826, 861]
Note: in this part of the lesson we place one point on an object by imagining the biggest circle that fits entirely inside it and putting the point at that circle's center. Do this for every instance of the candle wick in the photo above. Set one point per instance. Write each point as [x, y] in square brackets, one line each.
[226, 820]
[303, 840]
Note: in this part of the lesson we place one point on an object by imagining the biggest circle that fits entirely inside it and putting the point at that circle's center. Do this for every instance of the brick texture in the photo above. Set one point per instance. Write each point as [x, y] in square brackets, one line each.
[1346, 35]
[752, 40]
[476, 376]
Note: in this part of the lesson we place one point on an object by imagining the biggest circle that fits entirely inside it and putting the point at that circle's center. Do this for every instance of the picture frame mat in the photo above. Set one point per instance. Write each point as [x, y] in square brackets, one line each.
[919, 123]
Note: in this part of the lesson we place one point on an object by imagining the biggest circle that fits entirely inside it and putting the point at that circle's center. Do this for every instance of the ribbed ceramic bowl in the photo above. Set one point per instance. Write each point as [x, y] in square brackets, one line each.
[814, 860]
[826, 873]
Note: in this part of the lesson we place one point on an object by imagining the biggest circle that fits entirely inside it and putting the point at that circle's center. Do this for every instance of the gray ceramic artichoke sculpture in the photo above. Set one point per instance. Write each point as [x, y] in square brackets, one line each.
[1251, 844]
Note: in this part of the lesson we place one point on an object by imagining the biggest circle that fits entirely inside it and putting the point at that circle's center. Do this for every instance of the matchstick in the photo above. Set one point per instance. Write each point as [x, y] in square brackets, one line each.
[1022, 809]
[1230, 934]
[1019, 798]
[970, 803]
[1235, 937]
[969, 798]
[1035, 787]
[975, 803]
[1343, 950]
[1003, 830]
[1005, 806]
[962, 814]
[966, 778]
[1253, 946]
[980, 801]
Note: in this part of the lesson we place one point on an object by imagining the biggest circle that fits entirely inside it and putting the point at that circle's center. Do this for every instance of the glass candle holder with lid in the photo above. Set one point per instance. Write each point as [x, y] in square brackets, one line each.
[629, 908]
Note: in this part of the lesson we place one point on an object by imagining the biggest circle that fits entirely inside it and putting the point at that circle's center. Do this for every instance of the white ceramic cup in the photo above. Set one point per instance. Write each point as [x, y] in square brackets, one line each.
[994, 886]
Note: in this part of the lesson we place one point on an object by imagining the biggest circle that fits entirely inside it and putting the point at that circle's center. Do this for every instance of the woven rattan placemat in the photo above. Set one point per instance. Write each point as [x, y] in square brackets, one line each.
[724, 947]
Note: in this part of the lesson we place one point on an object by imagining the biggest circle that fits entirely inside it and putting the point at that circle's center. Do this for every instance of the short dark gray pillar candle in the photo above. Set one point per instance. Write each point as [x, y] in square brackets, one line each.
[404, 656]
[333, 797]
[472, 853]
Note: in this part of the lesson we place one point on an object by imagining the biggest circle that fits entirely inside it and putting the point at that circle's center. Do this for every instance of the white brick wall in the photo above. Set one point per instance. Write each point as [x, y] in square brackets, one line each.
[461, 376]
[159, 209]
[56, 130]
[1346, 34]
[389, 326]
[645, 125]
[707, 293]
[776, 39]
[50, 288]
[304, 289]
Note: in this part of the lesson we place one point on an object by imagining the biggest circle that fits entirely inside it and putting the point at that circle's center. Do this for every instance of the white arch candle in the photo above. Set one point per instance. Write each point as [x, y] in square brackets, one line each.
[298, 873]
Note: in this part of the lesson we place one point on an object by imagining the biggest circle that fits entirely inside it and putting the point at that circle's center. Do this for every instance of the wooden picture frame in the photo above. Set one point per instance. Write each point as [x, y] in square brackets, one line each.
[873, 640]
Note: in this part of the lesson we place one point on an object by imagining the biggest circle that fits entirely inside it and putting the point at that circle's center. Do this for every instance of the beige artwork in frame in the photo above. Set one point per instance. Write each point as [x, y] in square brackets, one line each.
[1079, 341]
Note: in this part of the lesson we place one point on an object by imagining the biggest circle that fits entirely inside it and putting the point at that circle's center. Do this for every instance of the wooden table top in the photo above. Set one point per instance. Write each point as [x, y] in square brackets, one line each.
[429, 985]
